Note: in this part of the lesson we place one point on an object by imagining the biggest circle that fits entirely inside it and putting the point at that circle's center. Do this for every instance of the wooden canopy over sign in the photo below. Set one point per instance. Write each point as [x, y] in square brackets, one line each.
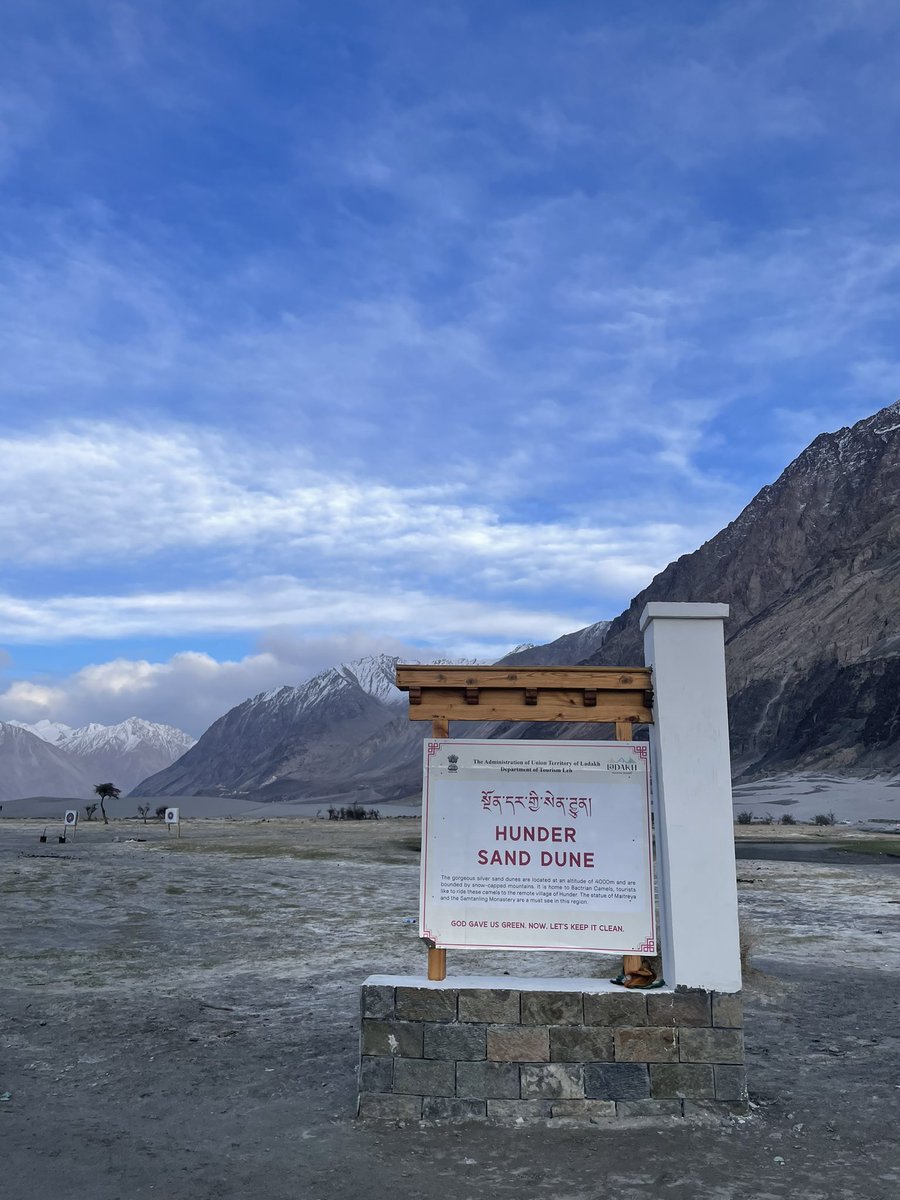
[597, 694]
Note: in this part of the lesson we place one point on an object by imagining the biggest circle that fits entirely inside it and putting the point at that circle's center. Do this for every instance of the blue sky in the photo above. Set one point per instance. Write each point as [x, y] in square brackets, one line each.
[426, 327]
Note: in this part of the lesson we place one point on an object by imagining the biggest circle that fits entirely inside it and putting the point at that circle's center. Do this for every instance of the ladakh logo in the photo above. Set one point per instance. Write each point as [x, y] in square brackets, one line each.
[622, 766]
[452, 760]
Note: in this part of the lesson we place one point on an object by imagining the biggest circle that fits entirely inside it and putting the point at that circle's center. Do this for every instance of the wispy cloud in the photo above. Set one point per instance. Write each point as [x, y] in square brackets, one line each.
[113, 494]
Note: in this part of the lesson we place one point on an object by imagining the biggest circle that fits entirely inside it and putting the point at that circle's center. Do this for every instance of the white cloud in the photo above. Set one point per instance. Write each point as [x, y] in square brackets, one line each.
[97, 494]
[191, 690]
[188, 691]
[273, 603]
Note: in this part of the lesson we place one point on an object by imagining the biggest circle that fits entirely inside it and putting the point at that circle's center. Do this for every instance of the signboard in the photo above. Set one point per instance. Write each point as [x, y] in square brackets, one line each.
[71, 817]
[537, 846]
[172, 816]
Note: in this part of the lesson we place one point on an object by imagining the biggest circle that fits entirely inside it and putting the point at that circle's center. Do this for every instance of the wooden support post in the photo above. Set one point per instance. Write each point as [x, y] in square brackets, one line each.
[437, 957]
[631, 963]
[437, 963]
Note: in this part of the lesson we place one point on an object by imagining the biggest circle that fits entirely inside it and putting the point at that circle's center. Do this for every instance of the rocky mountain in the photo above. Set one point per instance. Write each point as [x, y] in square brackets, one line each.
[811, 569]
[123, 754]
[343, 735]
[30, 766]
[567, 650]
[338, 735]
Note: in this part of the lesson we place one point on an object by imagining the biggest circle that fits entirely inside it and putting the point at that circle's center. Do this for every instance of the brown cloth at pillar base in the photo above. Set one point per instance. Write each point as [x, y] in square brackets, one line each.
[637, 973]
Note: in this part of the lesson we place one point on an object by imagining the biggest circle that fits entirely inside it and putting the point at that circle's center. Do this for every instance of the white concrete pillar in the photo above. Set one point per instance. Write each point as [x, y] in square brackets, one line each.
[685, 646]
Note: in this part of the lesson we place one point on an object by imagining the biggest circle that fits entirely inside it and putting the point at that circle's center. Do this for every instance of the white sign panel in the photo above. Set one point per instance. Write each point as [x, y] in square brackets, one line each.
[171, 816]
[538, 846]
[71, 816]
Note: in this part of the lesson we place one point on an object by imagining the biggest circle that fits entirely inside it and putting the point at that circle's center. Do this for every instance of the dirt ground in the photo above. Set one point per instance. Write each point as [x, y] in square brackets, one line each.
[179, 1020]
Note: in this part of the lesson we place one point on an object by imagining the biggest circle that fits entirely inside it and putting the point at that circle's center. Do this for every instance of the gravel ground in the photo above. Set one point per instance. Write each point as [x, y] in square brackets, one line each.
[179, 1020]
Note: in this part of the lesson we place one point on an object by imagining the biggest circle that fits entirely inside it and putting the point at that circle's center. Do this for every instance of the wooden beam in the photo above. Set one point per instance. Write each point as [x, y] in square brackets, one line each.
[437, 958]
[495, 704]
[440, 726]
[601, 678]
[624, 731]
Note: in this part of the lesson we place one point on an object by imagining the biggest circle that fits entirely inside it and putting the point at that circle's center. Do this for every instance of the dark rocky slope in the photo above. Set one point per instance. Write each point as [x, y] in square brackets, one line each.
[811, 569]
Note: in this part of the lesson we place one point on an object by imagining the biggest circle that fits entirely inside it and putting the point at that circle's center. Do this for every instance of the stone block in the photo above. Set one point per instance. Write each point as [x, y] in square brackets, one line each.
[425, 1004]
[731, 1083]
[583, 1110]
[616, 1081]
[396, 1038]
[487, 1081]
[380, 1107]
[679, 1081]
[377, 1000]
[518, 1043]
[450, 1108]
[680, 1008]
[552, 1081]
[376, 1074]
[727, 1010]
[581, 1043]
[424, 1077]
[490, 1006]
[648, 1045]
[552, 1008]
[649, 1108]
[454, 1041]
[712, 1046]
[517, 1112]
[615, 1008]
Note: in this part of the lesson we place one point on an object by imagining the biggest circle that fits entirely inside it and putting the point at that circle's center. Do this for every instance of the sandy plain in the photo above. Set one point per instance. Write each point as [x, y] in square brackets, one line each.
[179, 1020]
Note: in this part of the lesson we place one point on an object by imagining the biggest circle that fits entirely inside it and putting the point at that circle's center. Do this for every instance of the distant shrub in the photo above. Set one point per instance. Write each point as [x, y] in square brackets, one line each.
[353, 812]
[767, 819]
[160, 812]
[787, 819]
[824, 819]
[745, 818]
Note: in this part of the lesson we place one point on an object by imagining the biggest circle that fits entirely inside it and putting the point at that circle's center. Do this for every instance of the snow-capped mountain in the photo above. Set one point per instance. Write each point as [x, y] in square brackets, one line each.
[122, 754]
[53, 732]
[315, 739]
[31, 766]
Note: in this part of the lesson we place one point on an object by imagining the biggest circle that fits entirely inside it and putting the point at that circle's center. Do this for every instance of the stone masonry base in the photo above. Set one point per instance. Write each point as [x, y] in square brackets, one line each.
[518, 1050]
